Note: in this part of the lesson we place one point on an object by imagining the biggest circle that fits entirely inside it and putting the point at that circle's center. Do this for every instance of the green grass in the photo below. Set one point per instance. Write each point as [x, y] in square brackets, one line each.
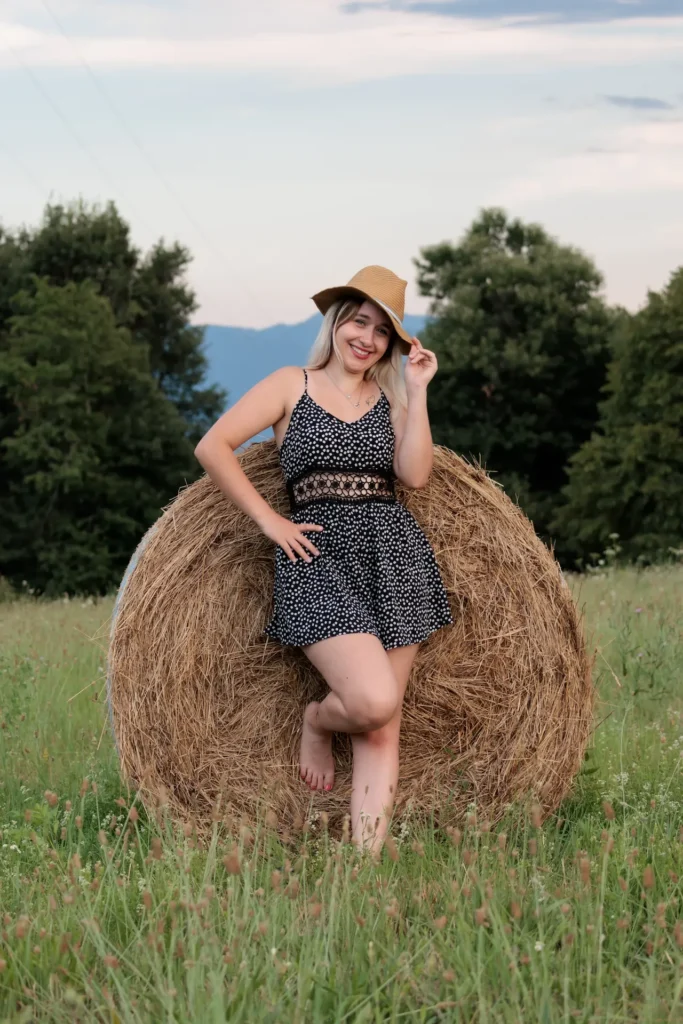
[105, 918]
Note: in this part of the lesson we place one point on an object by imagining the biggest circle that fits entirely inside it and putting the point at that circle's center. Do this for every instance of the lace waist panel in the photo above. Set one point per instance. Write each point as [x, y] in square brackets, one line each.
[340, 485]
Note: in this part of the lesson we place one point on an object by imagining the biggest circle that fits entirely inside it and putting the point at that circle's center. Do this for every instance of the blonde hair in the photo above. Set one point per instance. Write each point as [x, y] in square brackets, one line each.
[387, 372]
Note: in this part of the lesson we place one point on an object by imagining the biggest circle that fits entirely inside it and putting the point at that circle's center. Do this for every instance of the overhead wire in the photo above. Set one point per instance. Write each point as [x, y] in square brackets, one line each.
[54, 106]
[172, 192]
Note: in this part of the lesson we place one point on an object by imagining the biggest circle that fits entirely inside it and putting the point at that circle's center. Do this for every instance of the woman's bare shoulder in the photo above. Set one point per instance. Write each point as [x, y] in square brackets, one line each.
[259, 408]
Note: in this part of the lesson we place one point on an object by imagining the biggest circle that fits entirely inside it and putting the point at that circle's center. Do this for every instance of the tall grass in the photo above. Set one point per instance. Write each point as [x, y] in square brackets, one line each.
[106, 917]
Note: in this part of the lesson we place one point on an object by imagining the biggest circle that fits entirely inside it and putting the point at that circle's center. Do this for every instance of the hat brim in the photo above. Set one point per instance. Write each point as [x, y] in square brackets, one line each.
[325, 298]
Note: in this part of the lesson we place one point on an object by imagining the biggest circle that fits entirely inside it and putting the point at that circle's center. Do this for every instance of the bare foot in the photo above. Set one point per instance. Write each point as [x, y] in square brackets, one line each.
[317, 763]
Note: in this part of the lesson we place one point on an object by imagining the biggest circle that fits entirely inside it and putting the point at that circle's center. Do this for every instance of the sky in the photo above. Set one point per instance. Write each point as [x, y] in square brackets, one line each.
[288, 143]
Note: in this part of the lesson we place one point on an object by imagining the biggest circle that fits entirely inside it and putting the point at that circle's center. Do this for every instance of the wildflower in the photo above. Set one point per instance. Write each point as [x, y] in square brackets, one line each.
[440, 923]
[648, 877]
[455, 834]
[391, 847]
[292, 889]
[608, 810]
[231, 863]
[538, 947]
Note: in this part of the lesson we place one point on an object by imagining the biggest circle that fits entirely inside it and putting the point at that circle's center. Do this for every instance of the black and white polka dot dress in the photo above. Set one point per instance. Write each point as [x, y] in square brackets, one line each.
[376, 571]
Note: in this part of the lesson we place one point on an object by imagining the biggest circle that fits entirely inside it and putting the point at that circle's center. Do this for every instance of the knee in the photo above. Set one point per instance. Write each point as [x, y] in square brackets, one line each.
[372, 711]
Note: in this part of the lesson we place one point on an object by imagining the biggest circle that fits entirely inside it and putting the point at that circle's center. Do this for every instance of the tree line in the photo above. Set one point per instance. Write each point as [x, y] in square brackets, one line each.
[574, 406]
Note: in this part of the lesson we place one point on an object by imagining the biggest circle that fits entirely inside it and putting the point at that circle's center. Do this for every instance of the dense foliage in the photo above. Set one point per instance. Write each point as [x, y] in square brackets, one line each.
[628, 478]
[101, 397]
[523, 340]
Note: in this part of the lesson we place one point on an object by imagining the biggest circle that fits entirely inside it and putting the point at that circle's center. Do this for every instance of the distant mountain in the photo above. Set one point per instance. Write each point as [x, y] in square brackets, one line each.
[238, 357]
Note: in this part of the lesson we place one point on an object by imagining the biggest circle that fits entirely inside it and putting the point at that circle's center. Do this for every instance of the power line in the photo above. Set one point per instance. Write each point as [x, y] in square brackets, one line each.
[26, 171]
[177, 198]
[38, 85]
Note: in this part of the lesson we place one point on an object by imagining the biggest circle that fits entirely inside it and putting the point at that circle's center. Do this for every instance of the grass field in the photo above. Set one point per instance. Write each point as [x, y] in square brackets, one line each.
[104, 918]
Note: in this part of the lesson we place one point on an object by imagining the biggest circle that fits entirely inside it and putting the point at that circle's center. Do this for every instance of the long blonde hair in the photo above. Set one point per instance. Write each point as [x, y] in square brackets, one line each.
[387, 371]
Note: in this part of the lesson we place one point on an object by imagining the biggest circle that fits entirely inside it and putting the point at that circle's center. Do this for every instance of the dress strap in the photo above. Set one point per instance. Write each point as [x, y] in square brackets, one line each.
[305, 380]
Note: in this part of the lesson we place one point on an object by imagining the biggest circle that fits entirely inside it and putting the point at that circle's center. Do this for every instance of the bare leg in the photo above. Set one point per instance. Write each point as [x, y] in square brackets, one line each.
[364, 695]
[375, 764]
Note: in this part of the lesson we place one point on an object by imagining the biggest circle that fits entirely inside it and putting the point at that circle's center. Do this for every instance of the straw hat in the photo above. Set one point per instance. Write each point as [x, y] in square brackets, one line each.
[378, 285]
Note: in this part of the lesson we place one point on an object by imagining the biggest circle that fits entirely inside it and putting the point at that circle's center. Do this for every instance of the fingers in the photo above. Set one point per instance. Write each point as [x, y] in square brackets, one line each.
[301, 550]
[304, 540]
[301, 545]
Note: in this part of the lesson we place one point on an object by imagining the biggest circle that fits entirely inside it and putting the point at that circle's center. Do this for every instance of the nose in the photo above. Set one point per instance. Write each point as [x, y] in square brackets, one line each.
[365, 335]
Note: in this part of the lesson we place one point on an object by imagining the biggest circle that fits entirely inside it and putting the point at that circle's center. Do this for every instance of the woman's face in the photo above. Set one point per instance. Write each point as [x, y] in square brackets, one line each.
[363, 340]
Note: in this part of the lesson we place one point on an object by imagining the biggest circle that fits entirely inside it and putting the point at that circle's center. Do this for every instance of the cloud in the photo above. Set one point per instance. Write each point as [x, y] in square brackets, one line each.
[639, 102]
[554, 10]
[637, 158]
[393, 45]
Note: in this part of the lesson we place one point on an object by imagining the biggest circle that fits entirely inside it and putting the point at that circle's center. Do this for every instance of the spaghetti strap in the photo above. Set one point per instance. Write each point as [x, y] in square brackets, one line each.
[305, 380]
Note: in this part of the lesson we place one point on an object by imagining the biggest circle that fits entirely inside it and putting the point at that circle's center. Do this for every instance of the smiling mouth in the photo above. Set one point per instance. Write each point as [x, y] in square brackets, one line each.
[359, 351]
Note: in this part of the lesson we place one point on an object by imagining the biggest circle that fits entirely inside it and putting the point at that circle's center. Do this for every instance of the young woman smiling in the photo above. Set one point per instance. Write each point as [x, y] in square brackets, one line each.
[357, 586]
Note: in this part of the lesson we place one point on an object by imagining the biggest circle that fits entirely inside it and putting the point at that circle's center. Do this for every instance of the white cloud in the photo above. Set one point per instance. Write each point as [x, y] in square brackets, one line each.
[632, 159]
[358, 49]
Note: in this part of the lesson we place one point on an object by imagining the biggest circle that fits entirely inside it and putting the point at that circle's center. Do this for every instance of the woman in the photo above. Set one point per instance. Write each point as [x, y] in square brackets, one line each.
[357, 585]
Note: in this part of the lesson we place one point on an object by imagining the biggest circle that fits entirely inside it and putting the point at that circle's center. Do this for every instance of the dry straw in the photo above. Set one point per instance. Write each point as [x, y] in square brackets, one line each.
[207, 712]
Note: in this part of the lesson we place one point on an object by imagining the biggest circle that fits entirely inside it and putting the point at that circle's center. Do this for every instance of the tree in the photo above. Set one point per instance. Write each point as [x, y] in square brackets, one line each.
[148, 294]
[97, 448]
[628, 478]
[522, 337]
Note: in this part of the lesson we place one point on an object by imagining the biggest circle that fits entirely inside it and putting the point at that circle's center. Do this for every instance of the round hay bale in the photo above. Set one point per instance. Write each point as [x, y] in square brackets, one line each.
[207, 711]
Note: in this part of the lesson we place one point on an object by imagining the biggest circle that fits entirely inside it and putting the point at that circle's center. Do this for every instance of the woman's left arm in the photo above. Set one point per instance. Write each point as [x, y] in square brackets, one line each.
[414, 453]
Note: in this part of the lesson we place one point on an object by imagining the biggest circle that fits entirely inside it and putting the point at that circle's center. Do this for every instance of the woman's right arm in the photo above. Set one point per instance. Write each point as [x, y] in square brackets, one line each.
[261, 407]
